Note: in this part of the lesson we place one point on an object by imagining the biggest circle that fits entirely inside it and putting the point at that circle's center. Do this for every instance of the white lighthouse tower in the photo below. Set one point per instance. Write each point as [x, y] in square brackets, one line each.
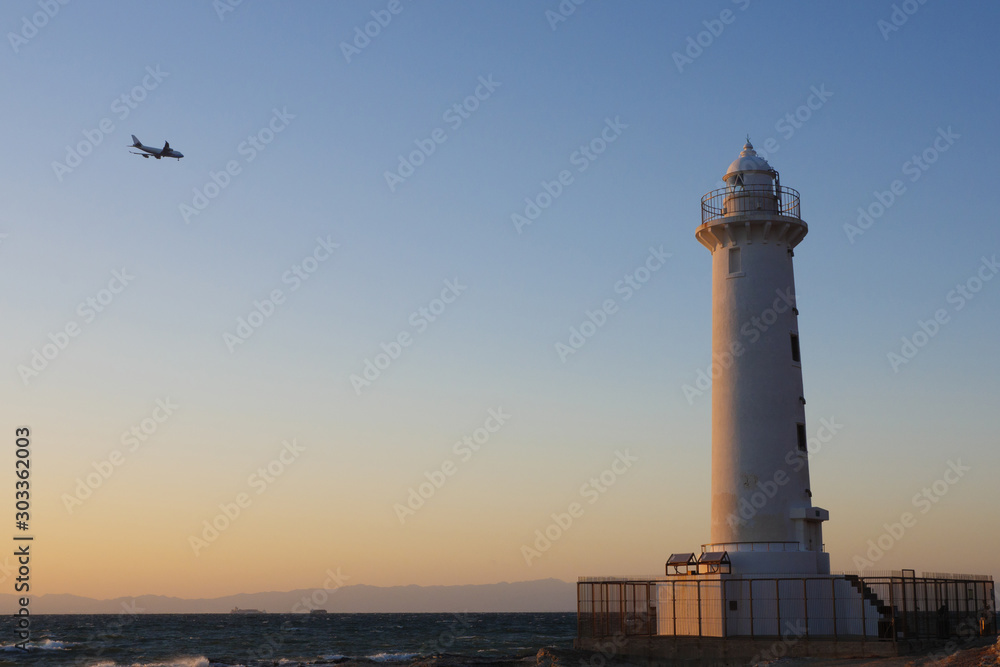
[762, 511]
[765, 575]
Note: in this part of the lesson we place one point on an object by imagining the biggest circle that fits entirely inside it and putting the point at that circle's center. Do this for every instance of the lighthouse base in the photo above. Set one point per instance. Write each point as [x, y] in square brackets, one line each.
[783, 609]
[752, 558]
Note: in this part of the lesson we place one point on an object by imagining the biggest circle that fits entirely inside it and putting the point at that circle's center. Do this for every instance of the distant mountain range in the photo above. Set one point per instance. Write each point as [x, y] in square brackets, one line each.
[541, 595]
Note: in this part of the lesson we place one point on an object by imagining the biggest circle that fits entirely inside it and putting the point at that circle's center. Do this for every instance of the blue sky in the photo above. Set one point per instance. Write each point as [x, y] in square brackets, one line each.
[553, 87]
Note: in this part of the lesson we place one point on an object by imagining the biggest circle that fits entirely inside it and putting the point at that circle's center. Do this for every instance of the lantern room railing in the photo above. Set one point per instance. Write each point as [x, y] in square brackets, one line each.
[750, 199]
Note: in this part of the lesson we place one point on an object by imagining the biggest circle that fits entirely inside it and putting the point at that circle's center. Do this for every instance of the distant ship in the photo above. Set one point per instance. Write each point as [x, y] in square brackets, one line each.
[237, 610]
[317, 612]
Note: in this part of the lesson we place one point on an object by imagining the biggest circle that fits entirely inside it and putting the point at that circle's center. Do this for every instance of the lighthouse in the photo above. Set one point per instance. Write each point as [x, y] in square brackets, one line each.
[762, 512]
[763, 583]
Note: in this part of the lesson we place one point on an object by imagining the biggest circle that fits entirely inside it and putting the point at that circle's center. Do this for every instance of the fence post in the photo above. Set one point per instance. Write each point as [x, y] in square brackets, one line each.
[724, 610]
[650, 590]
[805, 603]
[833, 601]
[606, 608]
[777, 604]
[622, 605]
[699, 607]
[892, 609]
[673, 601]
[864, 623]
[904, 603]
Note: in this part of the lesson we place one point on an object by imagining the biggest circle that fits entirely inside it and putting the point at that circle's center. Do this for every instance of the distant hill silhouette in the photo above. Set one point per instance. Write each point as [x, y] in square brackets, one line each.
[541, 595]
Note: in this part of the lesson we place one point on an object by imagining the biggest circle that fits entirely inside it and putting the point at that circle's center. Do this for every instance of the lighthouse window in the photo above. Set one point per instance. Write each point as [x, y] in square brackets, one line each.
[735, 264]
[800, 431]
[795, 348]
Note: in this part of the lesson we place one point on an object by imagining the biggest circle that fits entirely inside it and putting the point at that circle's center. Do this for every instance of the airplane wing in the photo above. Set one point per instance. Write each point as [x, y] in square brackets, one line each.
[166, 147]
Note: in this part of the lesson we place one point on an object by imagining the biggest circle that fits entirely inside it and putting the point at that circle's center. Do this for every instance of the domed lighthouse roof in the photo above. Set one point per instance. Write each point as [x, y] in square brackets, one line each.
[749, 161]
[752, 200]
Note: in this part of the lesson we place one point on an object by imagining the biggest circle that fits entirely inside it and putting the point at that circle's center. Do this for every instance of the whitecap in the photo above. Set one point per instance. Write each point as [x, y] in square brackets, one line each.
[180, 661]
[392, 657]
[44, 645]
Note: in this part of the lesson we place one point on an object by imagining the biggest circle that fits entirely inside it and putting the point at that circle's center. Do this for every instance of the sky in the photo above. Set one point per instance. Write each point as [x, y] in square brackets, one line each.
[338, 335]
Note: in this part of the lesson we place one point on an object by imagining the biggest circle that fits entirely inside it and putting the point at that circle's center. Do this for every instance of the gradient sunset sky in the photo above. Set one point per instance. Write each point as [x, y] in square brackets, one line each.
[308, 117]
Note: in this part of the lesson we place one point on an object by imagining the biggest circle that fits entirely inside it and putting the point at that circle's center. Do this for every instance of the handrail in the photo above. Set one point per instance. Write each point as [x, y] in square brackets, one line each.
[748, 199]
[737, 547]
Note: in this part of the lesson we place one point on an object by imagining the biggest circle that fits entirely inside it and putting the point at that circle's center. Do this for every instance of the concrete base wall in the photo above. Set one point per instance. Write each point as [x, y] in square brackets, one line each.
[720, 606]
[785, 563]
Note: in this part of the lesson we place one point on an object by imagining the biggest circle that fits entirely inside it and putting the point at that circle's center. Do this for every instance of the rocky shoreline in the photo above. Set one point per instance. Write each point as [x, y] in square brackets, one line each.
[984, 652]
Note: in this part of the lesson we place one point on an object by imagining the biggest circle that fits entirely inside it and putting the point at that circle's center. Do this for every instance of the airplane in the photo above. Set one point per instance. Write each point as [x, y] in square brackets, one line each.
[166, 151]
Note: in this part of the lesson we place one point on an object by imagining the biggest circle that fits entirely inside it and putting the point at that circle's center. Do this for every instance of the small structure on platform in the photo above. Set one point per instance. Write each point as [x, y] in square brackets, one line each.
[764, 580]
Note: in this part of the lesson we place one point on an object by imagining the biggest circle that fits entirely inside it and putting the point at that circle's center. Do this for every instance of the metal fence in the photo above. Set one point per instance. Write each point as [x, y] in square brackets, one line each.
[885, 607]
[750, 199]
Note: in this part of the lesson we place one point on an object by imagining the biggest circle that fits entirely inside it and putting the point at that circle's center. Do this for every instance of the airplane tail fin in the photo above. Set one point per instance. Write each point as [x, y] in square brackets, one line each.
[135, 141]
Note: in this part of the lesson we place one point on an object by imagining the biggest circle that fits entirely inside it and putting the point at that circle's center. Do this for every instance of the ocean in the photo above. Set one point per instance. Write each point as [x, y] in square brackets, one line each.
[285, 640]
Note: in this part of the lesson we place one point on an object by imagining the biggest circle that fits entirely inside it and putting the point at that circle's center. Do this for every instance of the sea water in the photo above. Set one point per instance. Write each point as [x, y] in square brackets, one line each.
[285, 640]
